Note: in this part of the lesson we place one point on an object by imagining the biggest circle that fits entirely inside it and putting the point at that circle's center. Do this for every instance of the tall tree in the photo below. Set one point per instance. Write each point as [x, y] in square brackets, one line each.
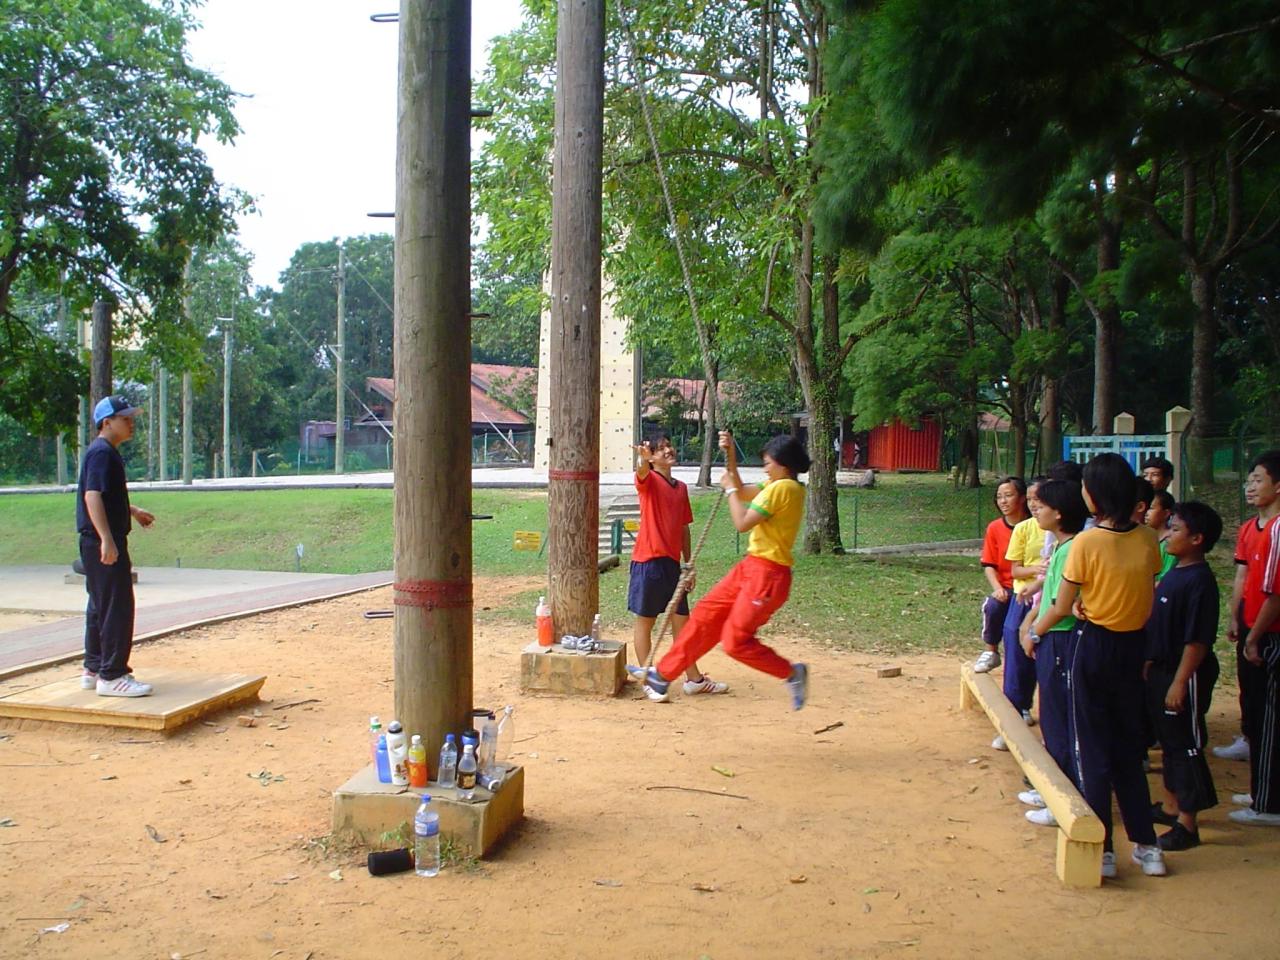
[101, 176]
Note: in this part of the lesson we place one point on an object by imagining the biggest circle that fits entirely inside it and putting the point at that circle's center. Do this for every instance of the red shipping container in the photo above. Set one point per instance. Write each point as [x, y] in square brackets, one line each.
[899, 446]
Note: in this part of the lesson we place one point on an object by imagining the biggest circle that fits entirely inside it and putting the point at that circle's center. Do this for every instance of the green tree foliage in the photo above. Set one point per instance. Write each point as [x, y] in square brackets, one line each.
[103, 187]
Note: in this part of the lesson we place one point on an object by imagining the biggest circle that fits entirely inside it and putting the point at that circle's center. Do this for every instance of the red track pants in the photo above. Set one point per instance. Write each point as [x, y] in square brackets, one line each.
[730, 614]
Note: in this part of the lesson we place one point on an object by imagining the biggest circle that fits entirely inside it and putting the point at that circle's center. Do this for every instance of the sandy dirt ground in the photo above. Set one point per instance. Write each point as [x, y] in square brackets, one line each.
[15, 619]
[897, 834]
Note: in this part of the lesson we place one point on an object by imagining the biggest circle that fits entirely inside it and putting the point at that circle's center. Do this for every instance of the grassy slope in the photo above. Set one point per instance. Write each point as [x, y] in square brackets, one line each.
[889, 603]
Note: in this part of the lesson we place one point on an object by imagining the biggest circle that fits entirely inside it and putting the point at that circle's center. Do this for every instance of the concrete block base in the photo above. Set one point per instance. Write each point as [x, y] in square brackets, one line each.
[364, 808]
[570, 674]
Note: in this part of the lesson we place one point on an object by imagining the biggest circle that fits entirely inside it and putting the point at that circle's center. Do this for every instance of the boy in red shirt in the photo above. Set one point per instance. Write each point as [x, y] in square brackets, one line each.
[661, 544]
[1256, 597]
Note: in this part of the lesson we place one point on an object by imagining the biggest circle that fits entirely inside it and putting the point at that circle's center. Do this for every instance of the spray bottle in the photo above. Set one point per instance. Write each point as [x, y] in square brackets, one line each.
[397, 754]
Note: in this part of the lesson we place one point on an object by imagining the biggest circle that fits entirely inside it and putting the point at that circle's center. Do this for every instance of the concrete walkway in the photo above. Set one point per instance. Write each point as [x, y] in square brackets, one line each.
[169, 599]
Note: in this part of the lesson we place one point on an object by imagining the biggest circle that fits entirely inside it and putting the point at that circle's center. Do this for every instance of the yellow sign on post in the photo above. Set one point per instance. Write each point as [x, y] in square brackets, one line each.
[631, 526]
[528, 540]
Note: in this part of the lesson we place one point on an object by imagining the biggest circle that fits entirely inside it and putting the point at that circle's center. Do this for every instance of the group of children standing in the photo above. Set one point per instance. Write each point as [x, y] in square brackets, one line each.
[1102, 599]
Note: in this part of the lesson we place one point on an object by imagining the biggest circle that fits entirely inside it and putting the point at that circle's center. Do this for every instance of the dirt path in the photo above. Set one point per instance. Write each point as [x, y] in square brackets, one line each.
[896, 834]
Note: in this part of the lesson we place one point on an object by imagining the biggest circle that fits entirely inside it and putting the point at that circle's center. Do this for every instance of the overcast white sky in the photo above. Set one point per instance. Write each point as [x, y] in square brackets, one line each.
[317, 149]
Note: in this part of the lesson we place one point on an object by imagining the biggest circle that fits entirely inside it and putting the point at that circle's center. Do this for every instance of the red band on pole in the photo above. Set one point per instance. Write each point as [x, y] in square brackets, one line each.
[576, 476]
[433, 594]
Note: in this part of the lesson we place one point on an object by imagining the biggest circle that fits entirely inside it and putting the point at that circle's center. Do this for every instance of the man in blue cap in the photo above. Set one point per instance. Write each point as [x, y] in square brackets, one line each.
[103, 518]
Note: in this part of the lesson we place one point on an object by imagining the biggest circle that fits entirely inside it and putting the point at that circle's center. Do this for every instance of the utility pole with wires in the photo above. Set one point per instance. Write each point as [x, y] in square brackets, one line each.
[340, 352]
[226, 395]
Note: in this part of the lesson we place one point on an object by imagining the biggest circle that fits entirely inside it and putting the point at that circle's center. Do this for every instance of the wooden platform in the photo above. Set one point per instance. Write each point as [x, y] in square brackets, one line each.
[179, 698]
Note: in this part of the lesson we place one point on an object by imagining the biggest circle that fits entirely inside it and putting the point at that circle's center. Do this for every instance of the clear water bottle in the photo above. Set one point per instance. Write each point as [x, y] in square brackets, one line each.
[506, 736]
[375, 731]
[467, 772]
[595, 629]
[447, 772]
[426, 839]
[487, 754]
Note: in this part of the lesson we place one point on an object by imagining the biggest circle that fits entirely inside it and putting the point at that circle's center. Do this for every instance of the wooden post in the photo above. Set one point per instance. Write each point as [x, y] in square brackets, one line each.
[100, 370]
[83, 426]
[573, 476]
[340, 413]
[433, 599]
[226, 396]
[61, 448]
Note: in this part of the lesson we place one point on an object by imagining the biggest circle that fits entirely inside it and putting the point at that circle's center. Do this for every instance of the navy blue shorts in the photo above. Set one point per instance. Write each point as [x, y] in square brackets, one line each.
[653, 583]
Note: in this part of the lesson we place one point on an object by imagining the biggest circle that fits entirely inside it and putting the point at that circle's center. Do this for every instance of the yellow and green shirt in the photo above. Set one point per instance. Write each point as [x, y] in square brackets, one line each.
[781, 502]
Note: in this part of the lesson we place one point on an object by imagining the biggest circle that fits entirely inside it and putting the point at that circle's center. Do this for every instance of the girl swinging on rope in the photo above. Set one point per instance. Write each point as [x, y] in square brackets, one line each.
[740, 604]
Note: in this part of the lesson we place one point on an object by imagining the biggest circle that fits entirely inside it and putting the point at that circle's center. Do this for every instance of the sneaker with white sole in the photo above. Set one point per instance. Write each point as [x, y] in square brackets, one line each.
[798, 684]
[1042, 816]
[1150, 858]
[655, 688]
[1108, 865]
[1242, 799]
[998, 743]
[1237, 749]
[1031, 798]
[1254, 818]
[124, 686]
[88, 680]
[705, 685]
[1028, 718]
[987, 661]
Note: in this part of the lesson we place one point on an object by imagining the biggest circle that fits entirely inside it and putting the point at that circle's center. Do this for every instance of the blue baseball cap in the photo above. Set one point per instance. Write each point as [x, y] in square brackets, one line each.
[113, 407]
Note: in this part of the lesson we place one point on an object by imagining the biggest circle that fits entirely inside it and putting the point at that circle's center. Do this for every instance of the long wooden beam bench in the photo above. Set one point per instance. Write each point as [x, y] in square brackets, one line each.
[1080, 833]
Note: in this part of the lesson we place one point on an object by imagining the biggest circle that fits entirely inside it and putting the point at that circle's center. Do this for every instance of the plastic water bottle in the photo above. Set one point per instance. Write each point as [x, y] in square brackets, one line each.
[426, 839]
[487, 755]
[375, 731]
[595, 629]
[447, 772]
[506, 736]
[467, 771]
[381, 762]
[542, 616]
[417, 762]
[398, 754]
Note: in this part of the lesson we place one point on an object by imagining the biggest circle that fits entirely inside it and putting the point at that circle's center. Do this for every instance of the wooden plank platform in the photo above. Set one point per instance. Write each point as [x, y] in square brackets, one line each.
[1080, 832]
[179, 698]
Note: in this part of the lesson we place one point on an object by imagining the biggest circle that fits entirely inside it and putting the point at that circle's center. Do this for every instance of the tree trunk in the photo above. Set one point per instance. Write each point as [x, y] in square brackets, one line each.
[1204, 347]
[100, 371]
[710, 417]
[573, 491]
[1050, 446]
[1018, 428]
[433, 581]
[1107, 332]
[822, 524]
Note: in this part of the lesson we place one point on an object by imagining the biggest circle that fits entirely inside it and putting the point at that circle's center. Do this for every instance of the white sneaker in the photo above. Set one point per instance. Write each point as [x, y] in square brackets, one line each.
[1043, 816]
[1242, 799]
[1031, 798]
[1026, 715]
[124, 686]
[705, 685]
[1237, 749]
[987, 661]
[1108, 865]
[998, 743]
[1254, 818]
[88, 680]
[1150, 859]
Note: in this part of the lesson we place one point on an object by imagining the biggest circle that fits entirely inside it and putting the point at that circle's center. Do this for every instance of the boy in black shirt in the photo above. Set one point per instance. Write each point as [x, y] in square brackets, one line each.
[103, 519]
[1181, 671]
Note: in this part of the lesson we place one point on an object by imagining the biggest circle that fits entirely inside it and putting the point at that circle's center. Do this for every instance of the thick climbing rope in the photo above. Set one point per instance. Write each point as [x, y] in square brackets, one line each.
[686, 580]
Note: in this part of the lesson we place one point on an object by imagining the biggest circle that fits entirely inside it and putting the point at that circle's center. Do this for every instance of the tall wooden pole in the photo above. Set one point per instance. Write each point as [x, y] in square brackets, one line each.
[64, 334]
[340, 432]
[433, 638]
[226, 397]
[100, 370]
[82, 419]
[573, 491]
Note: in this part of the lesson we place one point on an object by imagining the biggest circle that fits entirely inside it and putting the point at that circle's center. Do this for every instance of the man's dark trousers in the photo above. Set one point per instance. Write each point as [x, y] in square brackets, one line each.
[108, 618]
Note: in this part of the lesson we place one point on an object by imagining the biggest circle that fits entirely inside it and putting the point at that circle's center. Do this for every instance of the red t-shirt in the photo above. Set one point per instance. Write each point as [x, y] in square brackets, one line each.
[664, 515]
[1258, 548]
[994, 547]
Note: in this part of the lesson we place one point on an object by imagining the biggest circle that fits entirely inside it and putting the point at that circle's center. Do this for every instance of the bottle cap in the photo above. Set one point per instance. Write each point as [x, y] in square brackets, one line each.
[426, 798]
[394, 727]
[416, 739]
[449, 738]
[382, 741]
[375, 722]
